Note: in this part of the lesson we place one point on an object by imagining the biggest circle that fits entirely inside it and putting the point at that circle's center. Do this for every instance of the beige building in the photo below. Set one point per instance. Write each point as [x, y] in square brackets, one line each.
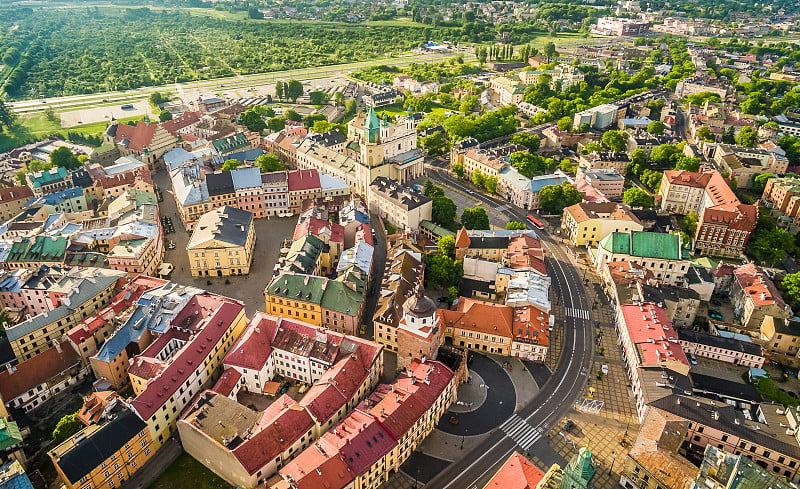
[222, 243]
[403, 207]
[487, 164]
[601, 159]
[589, 222]
[781, 336]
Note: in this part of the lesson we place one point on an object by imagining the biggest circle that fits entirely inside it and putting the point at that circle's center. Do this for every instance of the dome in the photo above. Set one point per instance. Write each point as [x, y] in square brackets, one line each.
[418, 305]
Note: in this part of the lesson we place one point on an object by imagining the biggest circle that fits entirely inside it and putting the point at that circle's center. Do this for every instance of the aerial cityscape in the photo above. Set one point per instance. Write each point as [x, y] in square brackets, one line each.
[396, 244]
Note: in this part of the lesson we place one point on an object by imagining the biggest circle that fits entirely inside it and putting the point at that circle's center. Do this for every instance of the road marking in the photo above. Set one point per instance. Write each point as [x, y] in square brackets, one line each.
[577, 313]
[521, 432]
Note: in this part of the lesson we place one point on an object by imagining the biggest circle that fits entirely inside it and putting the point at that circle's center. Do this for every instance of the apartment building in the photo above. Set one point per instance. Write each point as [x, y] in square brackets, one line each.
[782, 196]
[730, 350]
[661, 253]
[780, 335]
[13, 200]
[586, 224]
[606, 181]
[403, 207]
[603, 160]
[222, 243]
[754, 296]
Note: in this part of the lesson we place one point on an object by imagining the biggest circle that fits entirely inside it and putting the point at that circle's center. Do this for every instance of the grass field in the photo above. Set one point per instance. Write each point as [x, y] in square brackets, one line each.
[33, 127]
[188, 473]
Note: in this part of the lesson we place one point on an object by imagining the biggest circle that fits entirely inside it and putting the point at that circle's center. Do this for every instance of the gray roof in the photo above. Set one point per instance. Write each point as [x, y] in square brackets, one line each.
[394, 190]
[226, 224]
[220, 183]
[246, 178]
[719, 342]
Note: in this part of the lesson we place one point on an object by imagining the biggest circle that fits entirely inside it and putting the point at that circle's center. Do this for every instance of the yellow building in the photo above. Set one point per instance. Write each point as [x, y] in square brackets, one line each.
[296, 296]
[589, 222]
[222, 243]
[104, 456]
[780, 335]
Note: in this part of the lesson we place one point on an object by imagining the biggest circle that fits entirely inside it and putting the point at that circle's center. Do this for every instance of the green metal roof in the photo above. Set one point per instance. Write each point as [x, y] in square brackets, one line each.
[9, 434]
[305, 288]
[644, 244]
[340, 297]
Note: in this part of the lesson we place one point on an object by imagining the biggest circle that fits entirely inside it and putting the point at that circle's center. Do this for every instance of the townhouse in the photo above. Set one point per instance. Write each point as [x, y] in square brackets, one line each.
[754, 296]
[602, 160]
[586, 223]
[661, 253]
[403, 207]
[730, 350]
[222, 243]
[780, 335]
[403, 275]
[13, 201]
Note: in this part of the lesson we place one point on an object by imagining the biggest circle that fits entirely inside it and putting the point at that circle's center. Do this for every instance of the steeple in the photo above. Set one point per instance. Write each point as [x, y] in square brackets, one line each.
[371, 127]
[579, 470]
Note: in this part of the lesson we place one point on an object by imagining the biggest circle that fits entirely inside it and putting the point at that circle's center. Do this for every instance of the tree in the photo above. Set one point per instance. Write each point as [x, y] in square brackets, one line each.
[443, 271]
[350, 106]
[318, 97]
[469, 104]
[689, 223]
[475, 218]
[294, 90]
[513, 225]
[549, 50]
[310, 119]
[452, 294]
[165, 116]
[252, 120]
[458, 169]
[230, 165]
[530, 141]
[728, 137]
[704, 133]
[662, 154]
[66, 427]
[490, 184]
[82, 159]
[614, 140]
[431, 190]
[254, 13]
[656, 128]
[747, 137]
[565, 123]
[269, 163]
[554, 198]
[584, 127]
[636, 197]
[477, 177]
[65, 158]
[759, 181]
[276, 124]
[443, 211]
[279, 90]
[435, 144]
[447, 245]
[293, 115]
[791, 284]
[158, 98]
[686, 163]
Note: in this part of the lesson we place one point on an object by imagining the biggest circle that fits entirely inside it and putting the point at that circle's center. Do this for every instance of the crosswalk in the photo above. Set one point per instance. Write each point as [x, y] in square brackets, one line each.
[521, 432]
[577, 313]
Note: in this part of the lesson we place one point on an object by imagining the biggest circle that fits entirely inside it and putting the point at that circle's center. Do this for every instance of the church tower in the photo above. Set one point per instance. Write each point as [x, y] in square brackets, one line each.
[371, 127]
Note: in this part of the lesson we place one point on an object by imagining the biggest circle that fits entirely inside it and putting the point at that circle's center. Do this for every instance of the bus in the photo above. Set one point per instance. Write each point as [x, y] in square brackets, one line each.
[535, 222]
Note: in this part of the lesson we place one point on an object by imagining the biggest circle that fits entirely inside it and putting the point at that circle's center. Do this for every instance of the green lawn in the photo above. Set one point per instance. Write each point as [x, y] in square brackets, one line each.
[33, 127]
[188, 473]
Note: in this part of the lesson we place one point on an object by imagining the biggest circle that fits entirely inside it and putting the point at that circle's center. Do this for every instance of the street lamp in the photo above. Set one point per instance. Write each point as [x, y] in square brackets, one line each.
[613, 459]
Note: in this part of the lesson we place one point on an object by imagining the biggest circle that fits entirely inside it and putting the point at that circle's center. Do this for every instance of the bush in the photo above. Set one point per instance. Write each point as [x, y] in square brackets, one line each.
[766, 387]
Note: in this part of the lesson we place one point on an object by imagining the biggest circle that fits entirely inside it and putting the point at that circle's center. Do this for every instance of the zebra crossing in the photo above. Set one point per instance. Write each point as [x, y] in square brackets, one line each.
[521, 432]
[577, 313]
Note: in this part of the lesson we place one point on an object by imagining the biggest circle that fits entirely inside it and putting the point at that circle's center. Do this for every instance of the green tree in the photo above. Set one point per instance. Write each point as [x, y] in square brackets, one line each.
[66, 427]
[431, 190]
[65, 158]
[292, 115]
[435, 144]
[165, 116]
[311, 119]
[269, 163]
[584, 127]
[729, 136]
[614, 140]
[656, 128]
[554, 198]
[490, 184]
[318, 97]
[252, 120]
[689, 223]
[663, 154]
[512, 225]
[443, 211]
[477, 177]
[447, 245]
[294, 90]
[636, 197]
[158, 98]
[231, 165]
[549, 50]
[747, 137]
[770, 245]
[279, 90]
[791, 285]
[475, 218]
[687, 163]
[276, 124]
[443, 271]
[704, 133]
[530, 141]
[452, 294]
[350, 106]
[469, 104]
[759, 181]
[567, 166]
[458, 169]
[565, 123]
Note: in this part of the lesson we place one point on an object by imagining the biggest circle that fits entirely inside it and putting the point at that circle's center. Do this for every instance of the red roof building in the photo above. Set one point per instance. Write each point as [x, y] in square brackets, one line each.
[516, 473]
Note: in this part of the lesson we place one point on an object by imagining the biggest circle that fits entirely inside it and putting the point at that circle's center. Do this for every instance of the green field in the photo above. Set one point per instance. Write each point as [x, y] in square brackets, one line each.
[188, 473]
[34, 127]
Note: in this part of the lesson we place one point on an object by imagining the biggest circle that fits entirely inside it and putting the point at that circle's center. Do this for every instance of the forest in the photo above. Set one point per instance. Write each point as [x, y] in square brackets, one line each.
[47, 53]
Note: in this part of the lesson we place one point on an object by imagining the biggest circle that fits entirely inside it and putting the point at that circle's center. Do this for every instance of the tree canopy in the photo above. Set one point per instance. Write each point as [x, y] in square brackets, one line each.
[269, 163]
[65, 158]
[443, 211]
[230, 165]
[636, 197]
[475, 218]
[554, 198]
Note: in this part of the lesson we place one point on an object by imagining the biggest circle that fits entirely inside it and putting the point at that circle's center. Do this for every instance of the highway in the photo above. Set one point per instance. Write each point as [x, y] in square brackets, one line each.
[527, 429]
[223, 84]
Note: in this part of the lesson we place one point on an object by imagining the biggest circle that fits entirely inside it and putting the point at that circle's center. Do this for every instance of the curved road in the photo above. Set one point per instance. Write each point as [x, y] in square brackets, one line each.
[527, 429]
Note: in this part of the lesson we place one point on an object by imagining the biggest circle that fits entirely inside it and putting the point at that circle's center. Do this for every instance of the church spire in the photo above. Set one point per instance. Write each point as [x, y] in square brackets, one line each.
[371, 126]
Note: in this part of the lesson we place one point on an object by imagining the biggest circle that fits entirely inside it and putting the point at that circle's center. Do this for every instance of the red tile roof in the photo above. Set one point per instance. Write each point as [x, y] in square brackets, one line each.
[650, 329]
[516, 473]
[303, 180]
[9, 194]
[94, 406]
[254, 346]
[140, 136]
[282, 424]
[222, 312]
[227, 382]
[480, 316]
[758, 286]
[531, 325]
[186, 119]
[316, 227]
[37, 370]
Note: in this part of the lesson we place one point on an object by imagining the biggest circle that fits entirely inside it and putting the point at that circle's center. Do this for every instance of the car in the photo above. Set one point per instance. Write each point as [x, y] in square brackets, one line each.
[568, 425]
[715, 315]
[693, 359]
[604, 369]
[716, 302]
[127, 107]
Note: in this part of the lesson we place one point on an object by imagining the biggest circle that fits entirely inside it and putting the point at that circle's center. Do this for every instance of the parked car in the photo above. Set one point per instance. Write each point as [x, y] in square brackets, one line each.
[716, 302]
[715, 315]
[693, 359]
[568, 425]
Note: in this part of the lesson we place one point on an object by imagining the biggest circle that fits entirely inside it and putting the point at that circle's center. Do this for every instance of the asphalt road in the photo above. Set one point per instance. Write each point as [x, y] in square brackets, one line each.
[526, 430]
